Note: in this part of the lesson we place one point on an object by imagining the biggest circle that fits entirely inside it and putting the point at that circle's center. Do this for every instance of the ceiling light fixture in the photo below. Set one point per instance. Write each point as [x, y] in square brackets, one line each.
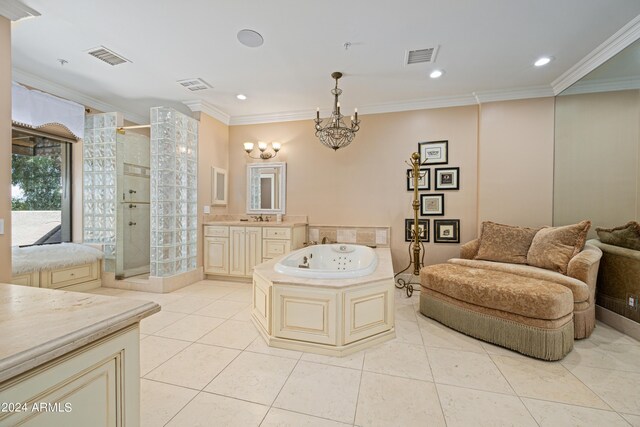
[542, 61]
[262, 146]
[436, 73]
[241, 96]
[250, 38]
[336, 134]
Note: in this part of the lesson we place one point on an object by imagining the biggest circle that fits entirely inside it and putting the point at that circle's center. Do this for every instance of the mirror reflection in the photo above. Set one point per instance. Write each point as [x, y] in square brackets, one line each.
[597, 145]
[266, 188]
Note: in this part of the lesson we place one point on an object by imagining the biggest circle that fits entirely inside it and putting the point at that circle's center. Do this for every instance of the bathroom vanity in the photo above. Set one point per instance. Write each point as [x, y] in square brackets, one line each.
[234, 248]
[69, 358]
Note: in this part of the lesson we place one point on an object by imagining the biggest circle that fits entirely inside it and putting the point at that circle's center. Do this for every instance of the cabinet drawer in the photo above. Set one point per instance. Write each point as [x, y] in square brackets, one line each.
[72, 275]
[27, 279]
[276, 233]
[275, 248]
[216, 231]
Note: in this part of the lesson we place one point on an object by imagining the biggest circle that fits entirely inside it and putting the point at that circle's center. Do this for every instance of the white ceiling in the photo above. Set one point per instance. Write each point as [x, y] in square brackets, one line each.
[485, 47]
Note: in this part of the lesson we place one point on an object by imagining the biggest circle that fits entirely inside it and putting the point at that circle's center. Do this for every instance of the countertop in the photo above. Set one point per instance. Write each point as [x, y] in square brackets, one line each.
[384, 271]
[256, 223]
[40, 324]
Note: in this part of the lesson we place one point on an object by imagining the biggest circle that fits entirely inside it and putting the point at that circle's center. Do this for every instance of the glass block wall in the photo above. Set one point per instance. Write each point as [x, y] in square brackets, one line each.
[174, 188]
[99, 189]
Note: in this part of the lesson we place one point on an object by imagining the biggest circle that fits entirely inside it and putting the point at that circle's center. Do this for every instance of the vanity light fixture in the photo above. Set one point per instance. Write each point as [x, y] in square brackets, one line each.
[336, 134]
[436, 73]
[262, 146]
[542, 61]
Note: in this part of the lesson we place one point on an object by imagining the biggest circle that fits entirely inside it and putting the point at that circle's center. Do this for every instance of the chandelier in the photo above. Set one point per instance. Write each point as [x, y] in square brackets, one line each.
[336, 134]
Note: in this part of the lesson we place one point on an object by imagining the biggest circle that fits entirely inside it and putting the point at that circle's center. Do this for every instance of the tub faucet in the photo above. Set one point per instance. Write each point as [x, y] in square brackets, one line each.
[326, 240]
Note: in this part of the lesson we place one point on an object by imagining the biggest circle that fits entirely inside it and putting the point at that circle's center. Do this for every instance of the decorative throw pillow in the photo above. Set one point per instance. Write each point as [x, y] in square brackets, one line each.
[553, 247]
[505, 243]
[626, 236]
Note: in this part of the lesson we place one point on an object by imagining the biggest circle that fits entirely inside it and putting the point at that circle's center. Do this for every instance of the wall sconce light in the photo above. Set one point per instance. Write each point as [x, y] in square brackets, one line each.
[262, 146]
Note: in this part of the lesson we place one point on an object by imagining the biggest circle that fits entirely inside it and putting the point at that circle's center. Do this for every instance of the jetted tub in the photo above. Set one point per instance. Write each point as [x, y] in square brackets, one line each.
[343, 302]
[329, 262]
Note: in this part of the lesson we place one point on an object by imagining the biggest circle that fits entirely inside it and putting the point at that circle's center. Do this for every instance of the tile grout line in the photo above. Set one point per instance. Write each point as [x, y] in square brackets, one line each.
[424, 346]
[355, 412]
[283, 384]
[513, 388]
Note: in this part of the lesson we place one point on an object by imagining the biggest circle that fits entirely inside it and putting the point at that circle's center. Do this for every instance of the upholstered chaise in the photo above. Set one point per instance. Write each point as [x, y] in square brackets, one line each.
[581, 278]
[533, 310]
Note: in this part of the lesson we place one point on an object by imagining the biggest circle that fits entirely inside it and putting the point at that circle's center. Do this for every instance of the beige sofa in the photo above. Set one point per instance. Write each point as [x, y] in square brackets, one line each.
[532, 310]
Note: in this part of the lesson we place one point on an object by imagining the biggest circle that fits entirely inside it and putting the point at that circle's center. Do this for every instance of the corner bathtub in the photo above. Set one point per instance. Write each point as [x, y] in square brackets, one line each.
[338, 261]
[342, 303]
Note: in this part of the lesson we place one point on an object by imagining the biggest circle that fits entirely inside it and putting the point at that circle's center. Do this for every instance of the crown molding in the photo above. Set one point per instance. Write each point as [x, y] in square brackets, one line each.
[419, 104]
[513, 94]
[209, 109]
[603, 85]
[15, 10]
[38, 82]
[614, 44]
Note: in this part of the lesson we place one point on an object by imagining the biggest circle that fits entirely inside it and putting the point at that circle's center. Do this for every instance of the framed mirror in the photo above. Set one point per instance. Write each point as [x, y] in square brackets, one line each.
[266, 188]
[219, 186]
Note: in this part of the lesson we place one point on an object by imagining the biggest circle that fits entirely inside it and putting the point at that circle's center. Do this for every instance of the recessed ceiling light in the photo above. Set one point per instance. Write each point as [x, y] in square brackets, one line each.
[542, 61]
[436, 73]
[241, 97]
[250, 38]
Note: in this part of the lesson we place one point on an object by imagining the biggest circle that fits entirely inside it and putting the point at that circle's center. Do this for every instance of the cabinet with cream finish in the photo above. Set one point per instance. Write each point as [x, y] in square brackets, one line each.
[234, 248]
[245, 250]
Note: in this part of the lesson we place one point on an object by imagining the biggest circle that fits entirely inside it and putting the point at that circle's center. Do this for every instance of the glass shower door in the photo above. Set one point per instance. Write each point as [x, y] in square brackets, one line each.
[133, 207]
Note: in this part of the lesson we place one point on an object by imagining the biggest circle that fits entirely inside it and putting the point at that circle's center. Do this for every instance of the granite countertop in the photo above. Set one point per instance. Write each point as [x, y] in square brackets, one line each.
[384, 271]
[256, 223]
[40, 324]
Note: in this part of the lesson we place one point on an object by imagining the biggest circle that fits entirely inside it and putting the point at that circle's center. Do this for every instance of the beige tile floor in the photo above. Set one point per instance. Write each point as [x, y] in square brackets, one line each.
[204, 364]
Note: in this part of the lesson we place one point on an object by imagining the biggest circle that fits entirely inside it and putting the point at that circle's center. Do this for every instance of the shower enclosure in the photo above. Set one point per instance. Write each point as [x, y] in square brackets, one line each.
[116, 194]
[140, 193]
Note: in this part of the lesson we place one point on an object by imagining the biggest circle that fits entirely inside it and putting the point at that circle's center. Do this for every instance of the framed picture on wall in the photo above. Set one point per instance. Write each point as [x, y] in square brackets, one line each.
[431, 204]
[423, 230]
[434, 152]
[446, 231]
[423, 180]
[447, 179]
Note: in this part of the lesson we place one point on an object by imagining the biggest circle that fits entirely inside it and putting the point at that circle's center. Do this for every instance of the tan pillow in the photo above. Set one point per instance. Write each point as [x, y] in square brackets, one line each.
[625, 236]
[505, 243]
[553, 247]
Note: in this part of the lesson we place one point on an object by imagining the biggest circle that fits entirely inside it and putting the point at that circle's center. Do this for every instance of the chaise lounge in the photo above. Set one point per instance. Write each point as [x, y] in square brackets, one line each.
[530, 290]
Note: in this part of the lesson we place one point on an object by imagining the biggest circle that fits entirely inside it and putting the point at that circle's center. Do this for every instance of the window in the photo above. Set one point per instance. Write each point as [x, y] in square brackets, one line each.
[40, 189]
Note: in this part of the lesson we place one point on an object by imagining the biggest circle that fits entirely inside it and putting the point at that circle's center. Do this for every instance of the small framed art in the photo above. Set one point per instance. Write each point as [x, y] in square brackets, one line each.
[447, 179]
[423, 180]
[431, 204]
[423, 230]
[434, 152]
[446, 231]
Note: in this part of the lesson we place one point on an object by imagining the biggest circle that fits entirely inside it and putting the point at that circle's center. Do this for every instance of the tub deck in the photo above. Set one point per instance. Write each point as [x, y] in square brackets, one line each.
[326, 316]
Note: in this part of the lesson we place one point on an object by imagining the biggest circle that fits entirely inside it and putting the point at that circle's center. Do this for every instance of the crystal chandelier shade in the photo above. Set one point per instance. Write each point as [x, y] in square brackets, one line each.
[335, 133]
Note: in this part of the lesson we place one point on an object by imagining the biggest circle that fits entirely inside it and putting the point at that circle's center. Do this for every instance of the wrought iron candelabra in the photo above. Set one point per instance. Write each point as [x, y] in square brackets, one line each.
[416, 247]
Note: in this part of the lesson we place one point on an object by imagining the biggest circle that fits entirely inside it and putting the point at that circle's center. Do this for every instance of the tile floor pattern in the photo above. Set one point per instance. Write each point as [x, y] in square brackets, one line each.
[204, 364]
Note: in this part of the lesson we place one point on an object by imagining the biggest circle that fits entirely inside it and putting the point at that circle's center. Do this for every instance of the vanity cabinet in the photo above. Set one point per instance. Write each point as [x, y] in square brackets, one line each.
[245, 248]
[234, 250]
[216, 250]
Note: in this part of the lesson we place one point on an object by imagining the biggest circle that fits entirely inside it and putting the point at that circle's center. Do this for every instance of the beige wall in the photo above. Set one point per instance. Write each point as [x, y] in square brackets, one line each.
[213, 151]
[5, 148]
[597, 166]
[515, 179]
[365, 183]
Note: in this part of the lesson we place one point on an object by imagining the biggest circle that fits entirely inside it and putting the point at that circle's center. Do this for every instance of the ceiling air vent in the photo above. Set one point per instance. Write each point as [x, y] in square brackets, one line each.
[419, 56]
[195, 84]
[106, 55]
